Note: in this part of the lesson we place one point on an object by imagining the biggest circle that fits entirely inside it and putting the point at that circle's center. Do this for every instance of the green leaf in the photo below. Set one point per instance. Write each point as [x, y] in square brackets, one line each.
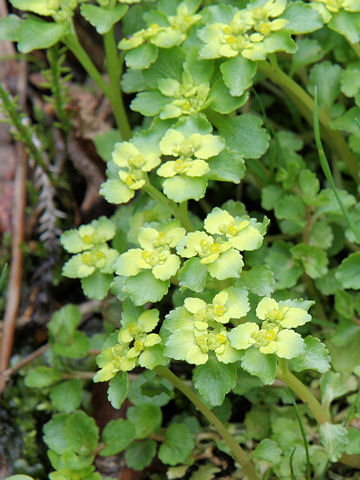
[181, 188]
[34, 34]
[350, 80]
[77, 347]
[332, 386]
[205, 472]
[137, 397]
[309, 186]
[335, 440]
[103, 18]
[66, 396]
[349, 122]
[302, 18]
[353, 446]
[309, 51]
[290, 207]
[81, 433]
[54, 433]
[313, 258]
[150, 103]
[214, 380]
[259, 280]
[19, 477]
[139, 454]
[118, 389]
[64, 323]
[146, 418]
[270, 195]
[268, 450]
[141, 57]
[144, 287]
[220, 99]
[96, 285]
[193, 275]
[238, 74]
[243, 134]
[178, 444]
[41, 377]
[286, 270]
[226, 167]
[255, 429]
[262, 366]
[315, 357]
[9, 28]
[105, 143]
[348, 273]
[117, 435]
[325, 77]
[347, 24]
[344, 304]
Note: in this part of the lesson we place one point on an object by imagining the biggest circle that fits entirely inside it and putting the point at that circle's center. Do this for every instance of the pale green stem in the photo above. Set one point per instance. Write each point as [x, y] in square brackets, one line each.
[111, 91]
[74, 46]
[305, 105]
[170, 205]
[114, 64]
[316, 408]
[239, 454]
[301, 391]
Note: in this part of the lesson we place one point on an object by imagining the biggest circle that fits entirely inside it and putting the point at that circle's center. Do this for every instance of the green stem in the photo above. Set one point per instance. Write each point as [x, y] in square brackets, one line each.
[170, 205]
[317, 410]
[74, 46]
[114, 64]
[302, 392]
[305, 105]
[239, 454]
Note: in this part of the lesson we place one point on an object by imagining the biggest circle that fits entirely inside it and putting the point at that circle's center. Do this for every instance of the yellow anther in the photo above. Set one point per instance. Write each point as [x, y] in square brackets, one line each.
[130, 180]
[221, 338]
[179, 165]
[86, 257]
[100, 255]
[154, 26]
[219, 310]
[227, 29]
[214, 248]
[264, 28]
[138, 345]
[230, 40]
[232, 230]
[270, 335]
[86, 238]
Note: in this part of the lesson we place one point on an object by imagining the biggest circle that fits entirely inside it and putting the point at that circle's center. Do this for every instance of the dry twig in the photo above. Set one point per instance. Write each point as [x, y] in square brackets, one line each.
[18, 71]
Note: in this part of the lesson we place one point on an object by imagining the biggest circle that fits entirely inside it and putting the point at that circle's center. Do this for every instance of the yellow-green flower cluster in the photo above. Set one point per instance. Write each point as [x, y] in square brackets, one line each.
[132, 161]
[220, 251]
[167, 35]
[275, 335]
[327, 8]
[135, 346]
[95, 254]
[58, 9]
[198, 328]
[156, 253]
[183, 175]
[185, 98]
[252, 32]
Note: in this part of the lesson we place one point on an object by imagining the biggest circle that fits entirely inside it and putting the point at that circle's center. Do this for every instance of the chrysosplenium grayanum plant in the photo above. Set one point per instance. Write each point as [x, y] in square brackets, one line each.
[207, 162]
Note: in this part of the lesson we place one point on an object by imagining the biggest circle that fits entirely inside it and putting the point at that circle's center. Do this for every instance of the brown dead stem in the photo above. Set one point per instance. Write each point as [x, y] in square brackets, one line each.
[16, 76]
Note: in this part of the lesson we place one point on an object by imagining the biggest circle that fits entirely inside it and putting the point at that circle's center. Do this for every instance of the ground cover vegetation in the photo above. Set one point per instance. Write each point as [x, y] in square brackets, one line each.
[198, 161]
